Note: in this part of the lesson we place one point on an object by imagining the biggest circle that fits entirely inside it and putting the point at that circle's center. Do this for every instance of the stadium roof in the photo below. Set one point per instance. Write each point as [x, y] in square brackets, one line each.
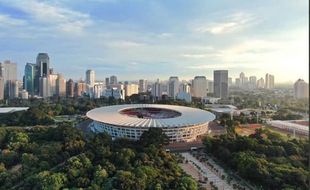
[188, 117]
[12, 109]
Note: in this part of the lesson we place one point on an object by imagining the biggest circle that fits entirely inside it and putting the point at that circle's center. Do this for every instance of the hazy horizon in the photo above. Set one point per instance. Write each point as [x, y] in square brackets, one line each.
[136, 39]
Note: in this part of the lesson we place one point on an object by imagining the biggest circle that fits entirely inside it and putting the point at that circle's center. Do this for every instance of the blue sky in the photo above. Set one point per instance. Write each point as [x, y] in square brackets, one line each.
[156, 39]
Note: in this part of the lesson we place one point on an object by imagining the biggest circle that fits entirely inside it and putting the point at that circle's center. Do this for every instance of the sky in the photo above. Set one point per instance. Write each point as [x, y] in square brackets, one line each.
[136, 39]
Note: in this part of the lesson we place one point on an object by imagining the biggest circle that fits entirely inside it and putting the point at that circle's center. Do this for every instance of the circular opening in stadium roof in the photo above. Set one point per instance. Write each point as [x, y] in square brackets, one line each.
[150, 113]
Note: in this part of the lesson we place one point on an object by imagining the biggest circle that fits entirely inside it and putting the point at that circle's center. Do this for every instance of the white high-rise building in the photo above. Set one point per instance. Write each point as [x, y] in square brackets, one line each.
[260, 83]
[242, 78]
[238, 82]
[44, 87]
[60, 86]
[156, 90]
[142, 85]
[8, 72]
[301, 89]
[185, 87]
[199, 87]
[252, 83]
[52, 84]
[220, 83]
[173, 87]
[269, 81]
[99, 90]
[131, 89]
[24, 94]
[1, 88]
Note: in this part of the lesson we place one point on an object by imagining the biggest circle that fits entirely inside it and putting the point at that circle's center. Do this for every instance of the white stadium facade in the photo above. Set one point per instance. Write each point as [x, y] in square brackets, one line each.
[179, 123]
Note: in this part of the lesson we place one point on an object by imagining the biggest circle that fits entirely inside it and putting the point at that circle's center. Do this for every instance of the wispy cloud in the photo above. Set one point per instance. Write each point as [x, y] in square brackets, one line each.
[6, 20]
[125, 44]
[230, 23]
[53, 15]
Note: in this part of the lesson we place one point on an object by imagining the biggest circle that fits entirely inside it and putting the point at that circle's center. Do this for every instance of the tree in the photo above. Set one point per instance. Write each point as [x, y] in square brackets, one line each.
[50, 181]
[154, 136]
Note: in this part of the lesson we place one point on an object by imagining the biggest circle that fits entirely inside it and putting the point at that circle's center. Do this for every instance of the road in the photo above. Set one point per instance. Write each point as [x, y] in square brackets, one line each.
[206, 172]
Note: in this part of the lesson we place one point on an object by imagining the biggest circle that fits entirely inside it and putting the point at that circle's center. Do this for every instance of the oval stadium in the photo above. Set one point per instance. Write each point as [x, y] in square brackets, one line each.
[180, 124]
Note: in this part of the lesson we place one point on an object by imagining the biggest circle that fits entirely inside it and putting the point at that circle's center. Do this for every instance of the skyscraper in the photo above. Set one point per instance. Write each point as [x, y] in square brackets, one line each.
[70, 88]
[107, 82]
[260, 83]
[142, 85]
[30, 73]
[156, 90]
[42, 74]
[252, 83]
[131, 89]
[173, 86]
[90, 78]
[269, 81]
[220, 79]
[8, 72]
[60, 86]
[113, 79]
[80, 88]
[44, 87]
[52, 84]
[1, 88]
[199, 86]
[301, 89]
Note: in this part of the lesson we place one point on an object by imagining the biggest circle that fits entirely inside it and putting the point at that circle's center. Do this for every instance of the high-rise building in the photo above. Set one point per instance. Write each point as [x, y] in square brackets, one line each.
[42, 71]
[99, 90]
[107, 82]
[156, 90]
[142, 85]
[210, 88]
[60, 86]
[80, 88]
[70, 88]
[24, 94]
[252, 82]
[131, 89]
[269, 81]
[220, 79]
[29, 78]
[44, 87]
[301, 89]
[199, 86]
[90, 78]
[52, 84]
[173, 86]
[113, 79]
[242, 78]
[185, 87]
[238, 82]
[260, 83]
[1, 88]
[43, 63]
[8, 71]
[229, 81]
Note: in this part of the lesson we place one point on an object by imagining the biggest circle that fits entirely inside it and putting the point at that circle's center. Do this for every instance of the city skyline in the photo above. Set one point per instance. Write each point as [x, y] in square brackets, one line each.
[121, 38]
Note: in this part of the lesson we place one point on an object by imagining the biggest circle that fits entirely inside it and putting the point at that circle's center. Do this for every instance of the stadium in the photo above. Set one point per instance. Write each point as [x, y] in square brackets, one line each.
[180, 124]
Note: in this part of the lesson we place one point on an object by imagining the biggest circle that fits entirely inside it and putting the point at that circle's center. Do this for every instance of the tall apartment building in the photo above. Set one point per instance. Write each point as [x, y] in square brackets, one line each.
[8, 72]
[269, 81]
[173, 86]
[131, 89]
[70, 88]
[113, 79]
[156, 90]
[60, 86]
[252, 82]
[260, 83]
[301, 89]
[142, 85]
[199, 86]
[220, 79]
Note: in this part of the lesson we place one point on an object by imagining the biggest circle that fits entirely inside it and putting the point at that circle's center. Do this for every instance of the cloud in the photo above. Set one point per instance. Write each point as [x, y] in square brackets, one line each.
[231, 23]
[53, 15]
[6, 20]
[125, 44]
